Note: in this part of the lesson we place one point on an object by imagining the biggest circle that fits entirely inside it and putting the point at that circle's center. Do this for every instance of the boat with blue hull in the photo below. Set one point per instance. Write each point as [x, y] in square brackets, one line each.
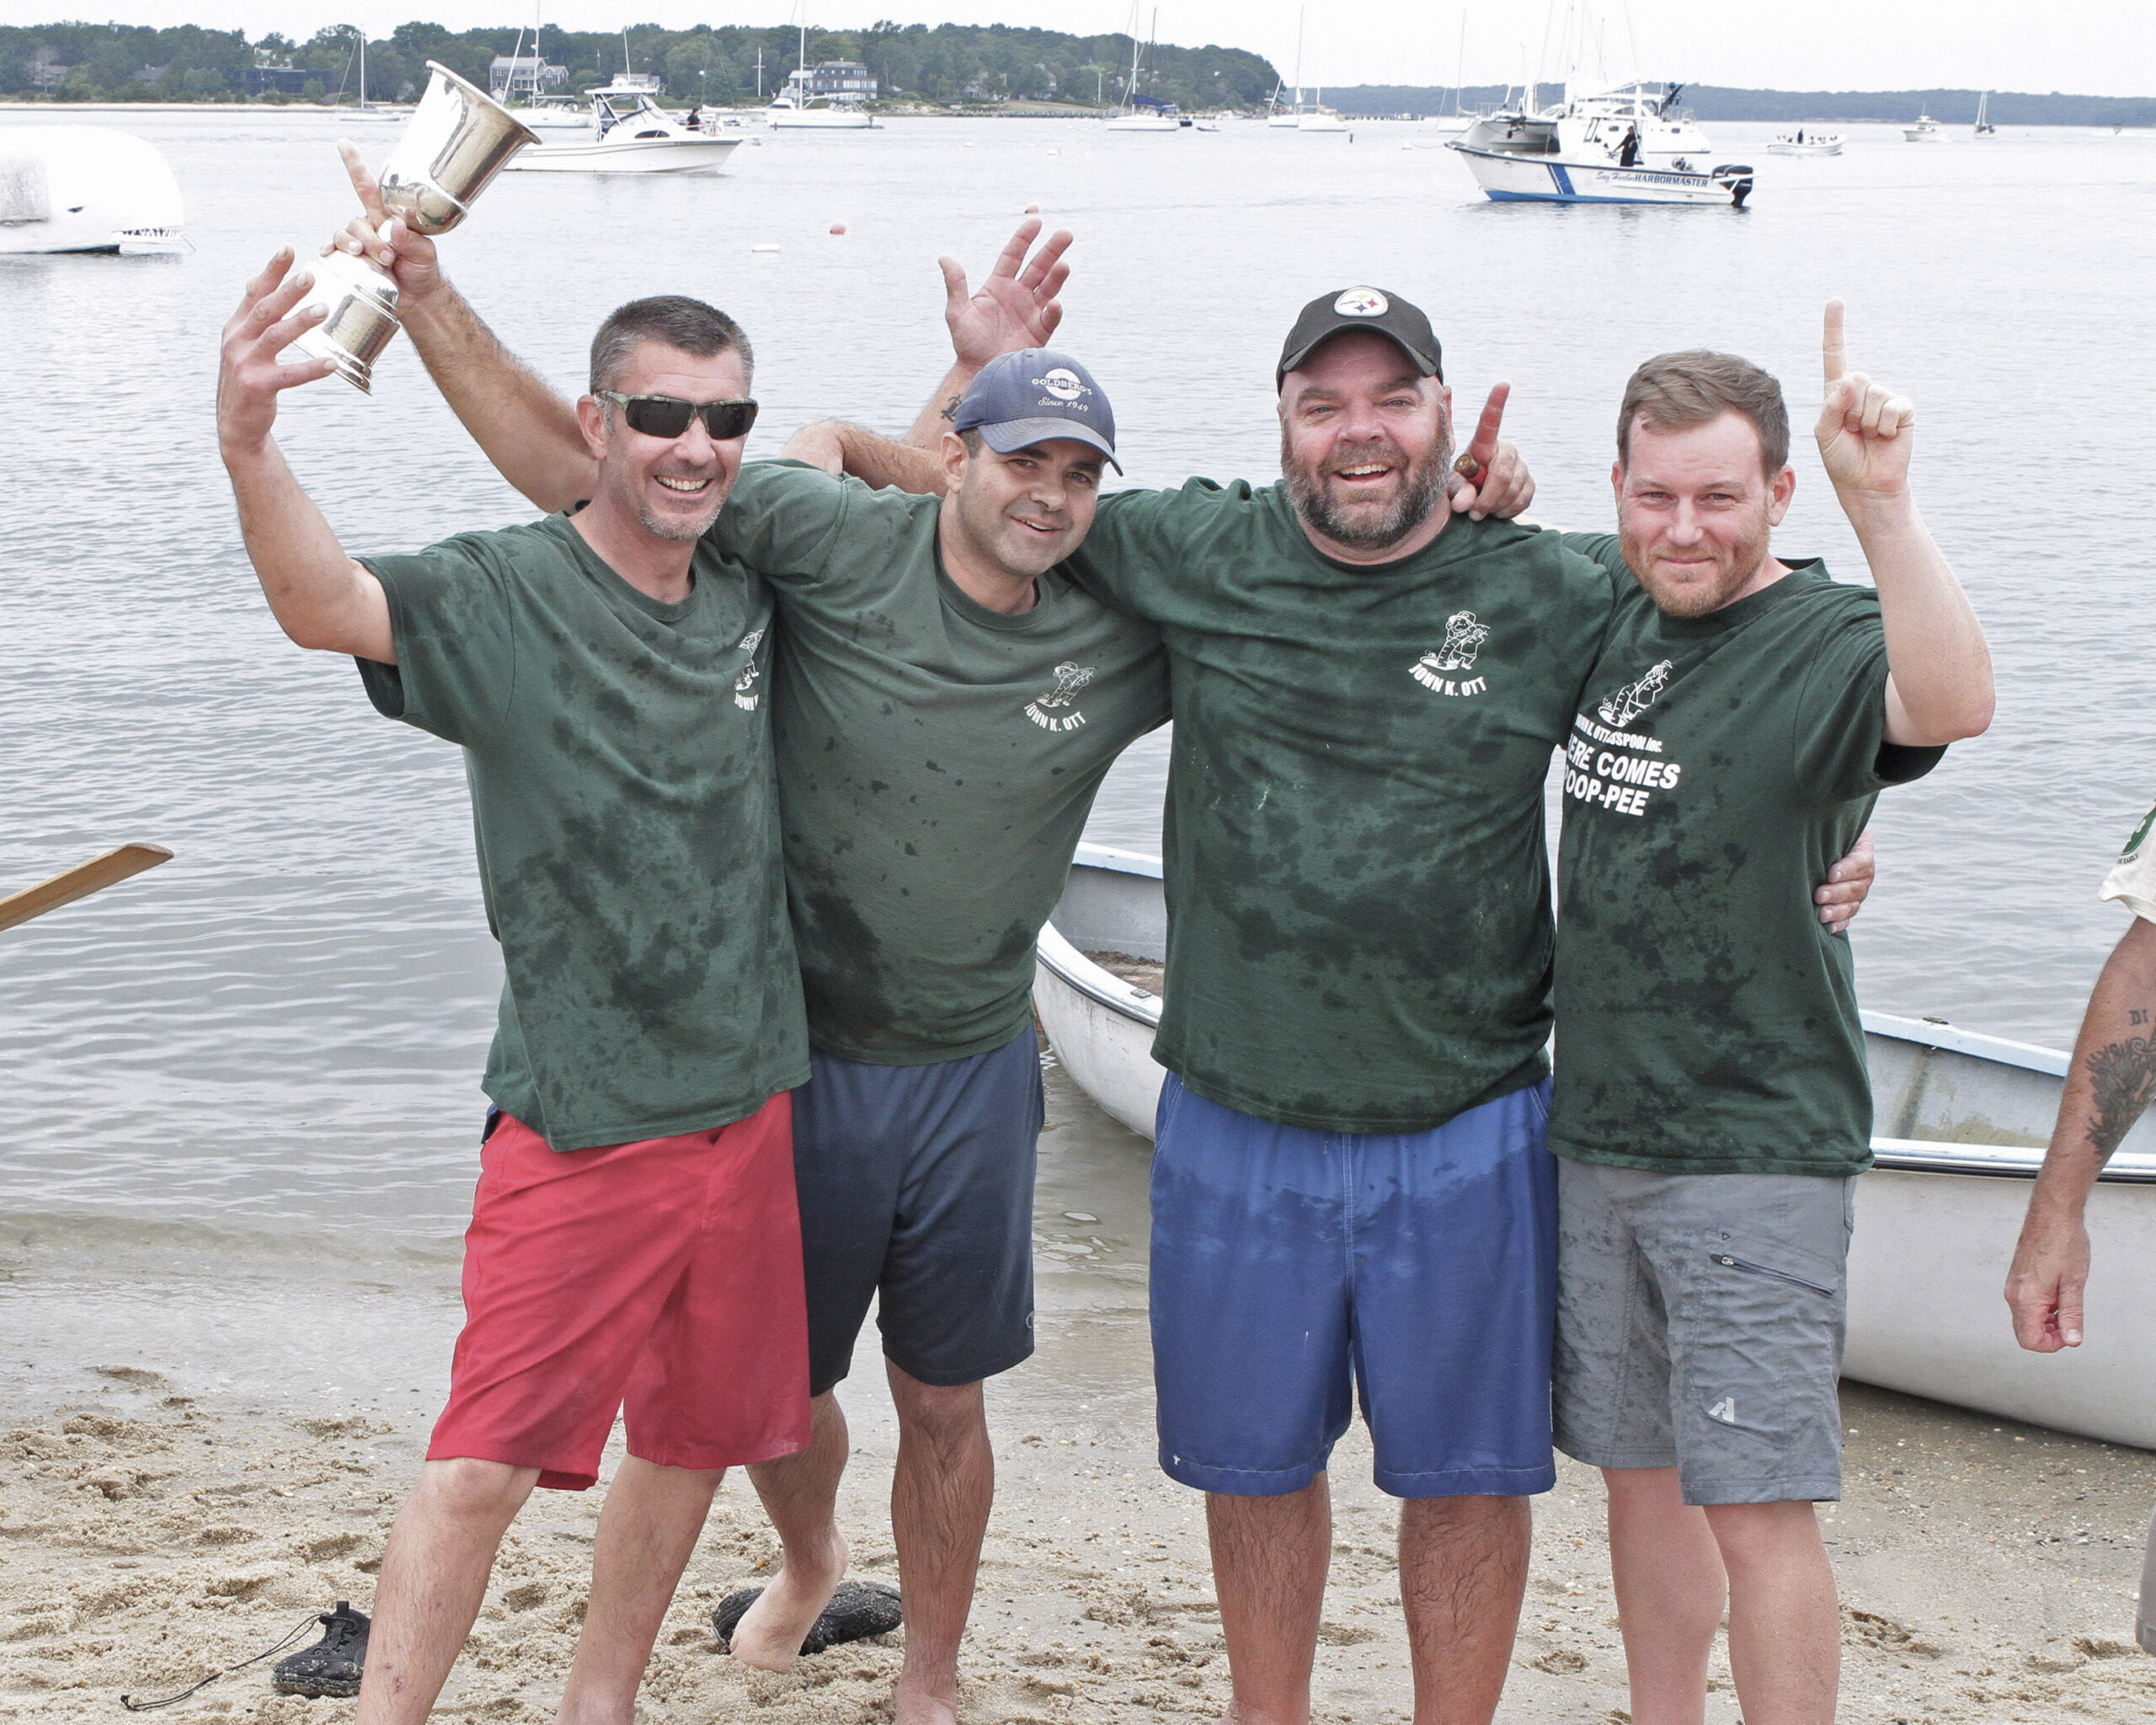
[1632, 145]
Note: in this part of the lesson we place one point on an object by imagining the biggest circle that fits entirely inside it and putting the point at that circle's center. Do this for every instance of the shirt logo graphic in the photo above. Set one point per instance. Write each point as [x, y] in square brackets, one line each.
[1047, 711]
[1362, 303]
[2140, 836]
[1724, 1410]
[1464, 639]
[1620, 706]
[1063, 383]
[746, 694]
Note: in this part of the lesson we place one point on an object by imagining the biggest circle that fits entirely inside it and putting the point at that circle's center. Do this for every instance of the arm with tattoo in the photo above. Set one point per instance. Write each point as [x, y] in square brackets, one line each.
[2108, 1087]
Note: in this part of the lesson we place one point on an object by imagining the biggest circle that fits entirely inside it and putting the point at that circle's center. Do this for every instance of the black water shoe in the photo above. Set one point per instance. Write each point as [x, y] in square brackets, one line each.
[333, 1665]
[858, 1610]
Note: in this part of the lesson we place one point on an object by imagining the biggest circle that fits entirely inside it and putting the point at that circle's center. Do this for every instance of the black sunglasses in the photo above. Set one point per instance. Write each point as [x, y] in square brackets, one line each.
[668, 416]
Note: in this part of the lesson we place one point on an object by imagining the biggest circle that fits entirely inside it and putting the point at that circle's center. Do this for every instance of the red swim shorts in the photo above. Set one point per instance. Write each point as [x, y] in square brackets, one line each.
[661, 1278]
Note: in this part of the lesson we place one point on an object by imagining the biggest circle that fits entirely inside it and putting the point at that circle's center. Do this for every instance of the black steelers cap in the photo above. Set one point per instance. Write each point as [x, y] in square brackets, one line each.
[1361, 308]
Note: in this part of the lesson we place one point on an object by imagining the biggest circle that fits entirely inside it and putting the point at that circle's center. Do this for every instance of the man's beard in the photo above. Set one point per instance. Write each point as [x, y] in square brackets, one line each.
[1424, 486]
[681, 531]
[1697, 598]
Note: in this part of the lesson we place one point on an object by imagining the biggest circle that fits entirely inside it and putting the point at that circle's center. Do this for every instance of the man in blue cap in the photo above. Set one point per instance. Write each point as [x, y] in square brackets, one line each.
[944, 701]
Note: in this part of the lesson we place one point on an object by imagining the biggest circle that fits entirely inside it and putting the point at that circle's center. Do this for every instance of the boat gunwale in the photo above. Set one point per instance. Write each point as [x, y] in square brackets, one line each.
[1069, 965]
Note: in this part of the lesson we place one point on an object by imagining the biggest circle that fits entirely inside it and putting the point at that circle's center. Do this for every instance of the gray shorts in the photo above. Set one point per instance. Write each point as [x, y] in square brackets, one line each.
[1699, 1324]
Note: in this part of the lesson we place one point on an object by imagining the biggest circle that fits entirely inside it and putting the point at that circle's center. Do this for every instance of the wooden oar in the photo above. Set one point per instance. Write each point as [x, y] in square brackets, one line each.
[80, 882]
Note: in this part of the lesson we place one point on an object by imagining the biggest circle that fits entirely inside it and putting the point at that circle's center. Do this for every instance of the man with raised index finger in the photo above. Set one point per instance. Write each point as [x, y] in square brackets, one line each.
[634, 1242]
[1713, 1107]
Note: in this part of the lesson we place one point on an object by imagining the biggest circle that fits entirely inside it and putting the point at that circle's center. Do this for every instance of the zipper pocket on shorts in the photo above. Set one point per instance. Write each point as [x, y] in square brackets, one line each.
[1759, 1269]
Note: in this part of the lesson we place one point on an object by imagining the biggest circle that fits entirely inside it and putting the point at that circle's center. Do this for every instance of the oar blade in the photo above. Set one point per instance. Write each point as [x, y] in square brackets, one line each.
[80, 882]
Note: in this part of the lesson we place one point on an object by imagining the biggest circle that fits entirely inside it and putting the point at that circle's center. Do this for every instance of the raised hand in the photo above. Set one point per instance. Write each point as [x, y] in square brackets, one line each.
[1490, 478]
[1866, 432]
[383, 238]
[1017, 307]
[250, 376]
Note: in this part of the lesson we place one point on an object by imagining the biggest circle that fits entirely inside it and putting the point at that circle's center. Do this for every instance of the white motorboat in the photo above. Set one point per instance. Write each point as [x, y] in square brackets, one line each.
[628, 133]
[1924, 131]
[1961, 1123]
[1804, 143]
[86, 189]
[1632, 145]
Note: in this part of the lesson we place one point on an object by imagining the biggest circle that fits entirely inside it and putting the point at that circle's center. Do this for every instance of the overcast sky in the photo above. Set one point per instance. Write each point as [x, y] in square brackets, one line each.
[2088, 47]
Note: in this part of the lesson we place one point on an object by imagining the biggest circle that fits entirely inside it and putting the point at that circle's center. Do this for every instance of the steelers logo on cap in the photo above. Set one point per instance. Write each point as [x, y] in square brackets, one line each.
[1063, 384]
[1361, 302]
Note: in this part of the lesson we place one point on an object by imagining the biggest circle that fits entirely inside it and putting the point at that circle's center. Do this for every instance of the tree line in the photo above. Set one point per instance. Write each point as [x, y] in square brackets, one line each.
[950, 64]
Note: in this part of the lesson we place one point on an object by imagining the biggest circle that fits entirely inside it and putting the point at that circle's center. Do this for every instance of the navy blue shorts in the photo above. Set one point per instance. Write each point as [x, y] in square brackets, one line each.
[1422, 1267]
[916, 1191]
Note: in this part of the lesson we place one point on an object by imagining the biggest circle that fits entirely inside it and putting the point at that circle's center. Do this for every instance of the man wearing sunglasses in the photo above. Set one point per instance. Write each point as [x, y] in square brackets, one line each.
[945, 703]
[633, 1240]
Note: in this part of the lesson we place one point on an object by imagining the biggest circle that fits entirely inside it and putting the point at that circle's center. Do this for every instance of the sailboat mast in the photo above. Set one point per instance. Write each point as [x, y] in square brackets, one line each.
[1299, 57]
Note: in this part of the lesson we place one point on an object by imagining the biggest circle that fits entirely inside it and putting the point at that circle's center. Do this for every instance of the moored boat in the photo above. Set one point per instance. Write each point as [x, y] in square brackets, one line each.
[628, 133]
[86, 189]
[1632, 145]
[1961, 1123]
[1924, 131]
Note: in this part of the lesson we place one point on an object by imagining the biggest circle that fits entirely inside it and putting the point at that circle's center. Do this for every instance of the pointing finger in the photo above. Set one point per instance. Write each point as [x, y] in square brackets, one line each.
[1484, 444]
[1834, 349]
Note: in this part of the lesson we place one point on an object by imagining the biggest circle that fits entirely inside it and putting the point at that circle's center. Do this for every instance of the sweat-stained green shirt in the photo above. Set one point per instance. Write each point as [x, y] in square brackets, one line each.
[937, 761]
[1359, 929]
[1718, 767]
[625, 811]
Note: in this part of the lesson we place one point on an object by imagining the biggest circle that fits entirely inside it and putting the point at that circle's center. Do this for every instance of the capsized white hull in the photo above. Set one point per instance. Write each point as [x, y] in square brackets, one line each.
[1508, 177]
[86, 189]
[1962, 1119]
[670, 155]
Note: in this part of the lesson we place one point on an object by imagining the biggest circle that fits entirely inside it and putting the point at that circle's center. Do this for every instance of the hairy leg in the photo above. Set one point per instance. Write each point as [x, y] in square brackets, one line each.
[1667, 1571]
[1269, 1561]
[1463, 1569]
[1785, 1618]
[647, 1531]
[940, 1499]
[800, 1493]
[434, 1575]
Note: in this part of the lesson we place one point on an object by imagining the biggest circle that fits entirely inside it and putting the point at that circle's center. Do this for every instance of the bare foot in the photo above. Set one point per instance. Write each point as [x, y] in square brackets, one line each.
[770, 1633]
[918, 1707]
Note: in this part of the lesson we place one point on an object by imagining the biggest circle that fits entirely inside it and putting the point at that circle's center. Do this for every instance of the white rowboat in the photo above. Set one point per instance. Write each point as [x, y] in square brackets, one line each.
[1962, 1121]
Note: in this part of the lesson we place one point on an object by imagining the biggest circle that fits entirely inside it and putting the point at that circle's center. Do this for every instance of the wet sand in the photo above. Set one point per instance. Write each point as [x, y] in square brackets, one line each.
[161, 1515]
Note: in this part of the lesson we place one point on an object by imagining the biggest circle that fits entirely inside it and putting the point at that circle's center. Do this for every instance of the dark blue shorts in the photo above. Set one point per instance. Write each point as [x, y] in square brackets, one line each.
[916, 1191]
[1288, 1263]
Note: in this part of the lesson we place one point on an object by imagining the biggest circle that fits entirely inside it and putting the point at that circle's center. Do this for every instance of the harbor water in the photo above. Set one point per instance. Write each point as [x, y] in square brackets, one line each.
[273, 1043]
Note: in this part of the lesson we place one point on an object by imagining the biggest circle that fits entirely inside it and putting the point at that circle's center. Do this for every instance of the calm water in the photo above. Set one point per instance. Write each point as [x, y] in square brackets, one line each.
[283, 1029]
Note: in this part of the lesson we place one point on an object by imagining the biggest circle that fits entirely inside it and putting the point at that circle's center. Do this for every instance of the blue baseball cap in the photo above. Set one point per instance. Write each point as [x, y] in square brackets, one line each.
[1033, 395]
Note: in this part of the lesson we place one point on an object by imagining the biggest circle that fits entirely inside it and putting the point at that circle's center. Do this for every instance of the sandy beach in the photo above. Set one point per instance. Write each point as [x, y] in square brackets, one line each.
[154, 1529]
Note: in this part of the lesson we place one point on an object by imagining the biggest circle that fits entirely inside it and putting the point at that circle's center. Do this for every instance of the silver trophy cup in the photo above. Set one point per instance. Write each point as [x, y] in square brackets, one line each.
[458, 139]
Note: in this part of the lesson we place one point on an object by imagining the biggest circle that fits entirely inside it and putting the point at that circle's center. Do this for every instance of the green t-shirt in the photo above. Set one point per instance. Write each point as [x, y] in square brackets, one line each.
[937, 761]
[624, 797]
[1718, 767]
[1359, 894]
